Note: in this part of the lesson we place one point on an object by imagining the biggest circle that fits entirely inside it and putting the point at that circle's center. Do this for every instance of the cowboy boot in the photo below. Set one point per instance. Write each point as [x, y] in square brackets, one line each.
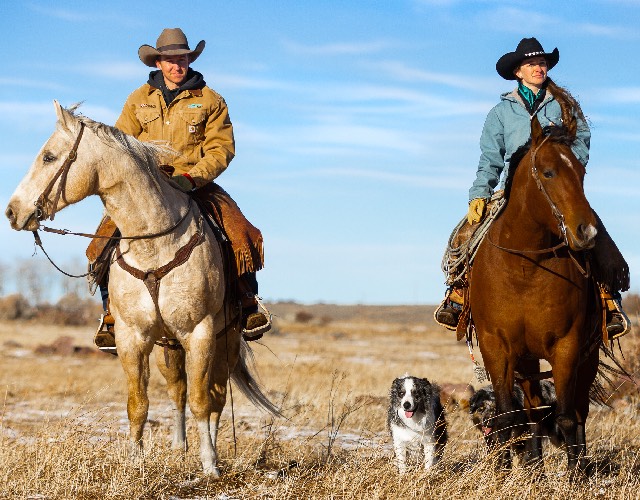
[105, 337]
[448, 312]
[618, 323]
[255, 323]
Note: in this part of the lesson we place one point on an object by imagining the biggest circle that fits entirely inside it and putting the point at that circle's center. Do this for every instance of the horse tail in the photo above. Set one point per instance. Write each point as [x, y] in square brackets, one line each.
[611, 371]
[244, 378]
[609, 378]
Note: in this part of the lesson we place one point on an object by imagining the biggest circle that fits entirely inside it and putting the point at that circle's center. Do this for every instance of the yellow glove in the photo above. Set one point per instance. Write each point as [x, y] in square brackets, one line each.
[476, 210]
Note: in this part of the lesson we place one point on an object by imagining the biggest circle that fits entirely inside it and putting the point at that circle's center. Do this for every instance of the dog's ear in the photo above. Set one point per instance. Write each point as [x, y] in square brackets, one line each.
[395, 386]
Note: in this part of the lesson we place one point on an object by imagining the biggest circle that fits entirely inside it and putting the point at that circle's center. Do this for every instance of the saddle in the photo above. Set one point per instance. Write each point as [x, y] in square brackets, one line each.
[231, 228]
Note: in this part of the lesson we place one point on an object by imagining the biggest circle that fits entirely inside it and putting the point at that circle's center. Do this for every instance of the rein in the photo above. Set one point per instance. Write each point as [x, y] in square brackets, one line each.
[558, 215]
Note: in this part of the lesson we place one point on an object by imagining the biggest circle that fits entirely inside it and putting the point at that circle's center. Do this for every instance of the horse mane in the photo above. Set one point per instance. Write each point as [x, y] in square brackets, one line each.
[145, 155]
[557, 135]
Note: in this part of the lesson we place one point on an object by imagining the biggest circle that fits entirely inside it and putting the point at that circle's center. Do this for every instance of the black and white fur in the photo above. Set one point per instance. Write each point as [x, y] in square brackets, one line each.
[482, 407]
[416, 421]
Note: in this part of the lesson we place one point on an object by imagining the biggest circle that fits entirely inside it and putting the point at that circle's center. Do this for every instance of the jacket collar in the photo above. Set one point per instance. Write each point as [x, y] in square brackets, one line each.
[195, 92]
[513, 96]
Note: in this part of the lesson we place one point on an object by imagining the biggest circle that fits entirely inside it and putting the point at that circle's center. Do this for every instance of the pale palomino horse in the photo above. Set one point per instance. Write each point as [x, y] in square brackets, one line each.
[190, 305]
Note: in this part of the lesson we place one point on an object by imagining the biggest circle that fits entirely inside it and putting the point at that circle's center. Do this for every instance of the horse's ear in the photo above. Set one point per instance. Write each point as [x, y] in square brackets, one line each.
[537, 133]
[64, 117]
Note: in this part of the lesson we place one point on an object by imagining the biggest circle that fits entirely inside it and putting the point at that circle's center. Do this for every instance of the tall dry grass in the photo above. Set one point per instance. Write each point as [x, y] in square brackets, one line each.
[63, 424]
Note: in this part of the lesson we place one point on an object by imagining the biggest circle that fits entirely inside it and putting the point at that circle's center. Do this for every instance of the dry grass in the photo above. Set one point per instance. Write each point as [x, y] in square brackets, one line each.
[63, 421]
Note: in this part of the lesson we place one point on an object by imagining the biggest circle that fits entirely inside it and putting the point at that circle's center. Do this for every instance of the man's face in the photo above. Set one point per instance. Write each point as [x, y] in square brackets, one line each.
[174, 69]
[532, 72]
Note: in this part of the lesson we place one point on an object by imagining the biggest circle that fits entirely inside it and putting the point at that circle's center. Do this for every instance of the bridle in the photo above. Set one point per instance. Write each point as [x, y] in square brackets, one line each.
[62, 173]
[44, 201]
[557, 214]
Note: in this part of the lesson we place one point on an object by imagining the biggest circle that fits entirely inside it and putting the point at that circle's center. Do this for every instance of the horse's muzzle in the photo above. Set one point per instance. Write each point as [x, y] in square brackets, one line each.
[31, 223]
[584, 238]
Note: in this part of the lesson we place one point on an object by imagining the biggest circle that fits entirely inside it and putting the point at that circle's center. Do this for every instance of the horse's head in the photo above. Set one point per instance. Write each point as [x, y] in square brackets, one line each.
[557, 178]
[56, 177]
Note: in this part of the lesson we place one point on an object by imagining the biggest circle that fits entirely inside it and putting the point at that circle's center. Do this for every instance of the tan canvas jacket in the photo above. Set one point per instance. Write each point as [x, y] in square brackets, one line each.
[196, 124]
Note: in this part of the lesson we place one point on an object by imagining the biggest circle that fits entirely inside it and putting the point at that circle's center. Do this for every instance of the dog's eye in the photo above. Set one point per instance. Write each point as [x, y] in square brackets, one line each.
[48, 157]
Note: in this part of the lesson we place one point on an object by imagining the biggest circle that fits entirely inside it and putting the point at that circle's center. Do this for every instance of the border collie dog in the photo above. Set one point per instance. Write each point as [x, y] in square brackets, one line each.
[482, 407]
[416, 421]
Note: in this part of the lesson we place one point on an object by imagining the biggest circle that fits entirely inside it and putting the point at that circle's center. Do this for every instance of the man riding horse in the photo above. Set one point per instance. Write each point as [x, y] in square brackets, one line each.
[177, 109]
[507, 128]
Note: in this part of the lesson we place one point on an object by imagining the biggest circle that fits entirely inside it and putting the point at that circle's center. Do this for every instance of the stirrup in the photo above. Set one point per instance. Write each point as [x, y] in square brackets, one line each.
[440, 309]
[612, 333]
[105, 338]
[257, 332]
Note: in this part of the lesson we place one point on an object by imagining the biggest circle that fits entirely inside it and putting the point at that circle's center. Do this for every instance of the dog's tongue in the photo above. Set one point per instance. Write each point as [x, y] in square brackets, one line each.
[486, 430]
[408, 414]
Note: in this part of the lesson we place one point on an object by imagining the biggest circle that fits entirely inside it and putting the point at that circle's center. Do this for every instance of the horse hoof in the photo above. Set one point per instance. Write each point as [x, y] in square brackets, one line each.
[211, 471]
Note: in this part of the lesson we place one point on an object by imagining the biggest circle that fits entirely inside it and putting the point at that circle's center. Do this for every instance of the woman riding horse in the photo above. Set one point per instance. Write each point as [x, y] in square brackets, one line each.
[507, 128]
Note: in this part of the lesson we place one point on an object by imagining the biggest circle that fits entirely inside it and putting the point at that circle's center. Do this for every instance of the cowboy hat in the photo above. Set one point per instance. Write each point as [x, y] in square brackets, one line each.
[528, 47]
[171, 42]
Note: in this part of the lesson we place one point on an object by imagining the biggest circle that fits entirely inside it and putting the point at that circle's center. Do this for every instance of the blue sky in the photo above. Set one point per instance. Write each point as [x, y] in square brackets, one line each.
[357, 123]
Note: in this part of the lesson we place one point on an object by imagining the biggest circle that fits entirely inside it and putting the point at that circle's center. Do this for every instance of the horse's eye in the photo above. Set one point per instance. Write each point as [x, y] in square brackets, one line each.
[48, 157]
[548, 174]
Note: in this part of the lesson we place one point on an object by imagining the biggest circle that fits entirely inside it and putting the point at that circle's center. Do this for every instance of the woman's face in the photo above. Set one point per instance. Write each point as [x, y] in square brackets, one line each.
[532, 72]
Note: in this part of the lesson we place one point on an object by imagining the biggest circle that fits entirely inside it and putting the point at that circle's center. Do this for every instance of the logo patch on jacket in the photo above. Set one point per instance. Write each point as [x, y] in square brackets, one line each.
[145, 105]
[194, 106]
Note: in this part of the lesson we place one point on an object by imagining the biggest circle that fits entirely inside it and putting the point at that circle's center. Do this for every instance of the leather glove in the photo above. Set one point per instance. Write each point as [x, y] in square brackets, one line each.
[477, 207]
[184, 183]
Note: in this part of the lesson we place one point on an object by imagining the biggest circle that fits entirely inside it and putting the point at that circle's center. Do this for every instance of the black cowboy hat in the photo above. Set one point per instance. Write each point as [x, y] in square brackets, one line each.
[528, 47]
[171, 42]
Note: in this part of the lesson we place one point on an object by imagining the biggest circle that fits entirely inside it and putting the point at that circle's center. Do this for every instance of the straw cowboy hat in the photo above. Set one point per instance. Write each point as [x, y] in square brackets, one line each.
[528, 47]
[171, 42]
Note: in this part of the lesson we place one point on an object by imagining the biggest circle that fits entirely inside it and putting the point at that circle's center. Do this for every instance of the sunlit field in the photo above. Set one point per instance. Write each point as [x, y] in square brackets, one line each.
[63, 425]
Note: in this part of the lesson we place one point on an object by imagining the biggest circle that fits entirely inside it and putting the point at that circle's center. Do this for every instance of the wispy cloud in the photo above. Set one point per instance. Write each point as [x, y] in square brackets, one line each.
[61, 13]
[513, 19]
[35, 83]
[622, 95]
[342, 48]
[403, 72]
[450, 180]
[113, 70]
[88, 14]
[235, 81]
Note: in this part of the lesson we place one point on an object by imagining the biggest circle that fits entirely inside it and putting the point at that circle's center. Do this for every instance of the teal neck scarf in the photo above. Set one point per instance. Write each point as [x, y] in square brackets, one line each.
[528, 95]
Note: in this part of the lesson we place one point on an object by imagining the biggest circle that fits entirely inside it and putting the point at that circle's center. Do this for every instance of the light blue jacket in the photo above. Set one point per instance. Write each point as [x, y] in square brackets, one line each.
[506, 129]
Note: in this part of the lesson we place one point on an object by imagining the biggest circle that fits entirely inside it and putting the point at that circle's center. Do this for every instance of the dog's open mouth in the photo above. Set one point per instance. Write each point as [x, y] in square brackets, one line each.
[409, 414]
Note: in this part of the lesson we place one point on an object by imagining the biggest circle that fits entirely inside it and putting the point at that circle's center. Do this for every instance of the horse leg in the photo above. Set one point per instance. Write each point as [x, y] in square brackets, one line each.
[564, 375]
[200, 351]
[586, 375]
[500, 369]
[532, 399]
[171, 363]
[226, 357]
[134, 357]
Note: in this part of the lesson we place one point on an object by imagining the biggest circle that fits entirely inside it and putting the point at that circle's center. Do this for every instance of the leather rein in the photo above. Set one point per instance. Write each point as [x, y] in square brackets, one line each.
[559, 217]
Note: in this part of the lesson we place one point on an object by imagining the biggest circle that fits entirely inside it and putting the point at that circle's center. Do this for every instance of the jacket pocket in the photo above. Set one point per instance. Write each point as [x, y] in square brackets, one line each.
[194, 125]
[147, 118]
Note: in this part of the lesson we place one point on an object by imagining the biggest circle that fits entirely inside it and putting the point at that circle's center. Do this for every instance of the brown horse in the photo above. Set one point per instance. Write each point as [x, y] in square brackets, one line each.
[531, 297]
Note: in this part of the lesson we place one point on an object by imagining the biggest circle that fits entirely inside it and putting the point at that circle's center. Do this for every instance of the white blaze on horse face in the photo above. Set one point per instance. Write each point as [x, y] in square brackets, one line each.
[587, 233]
[566, 160]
